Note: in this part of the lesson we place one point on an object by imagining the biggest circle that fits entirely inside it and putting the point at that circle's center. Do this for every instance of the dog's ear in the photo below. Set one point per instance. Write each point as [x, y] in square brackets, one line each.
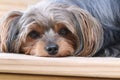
[9, 30]
[89, 31]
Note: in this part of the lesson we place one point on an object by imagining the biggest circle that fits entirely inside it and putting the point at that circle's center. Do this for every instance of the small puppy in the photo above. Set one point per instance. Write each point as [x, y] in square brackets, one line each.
[63, 28]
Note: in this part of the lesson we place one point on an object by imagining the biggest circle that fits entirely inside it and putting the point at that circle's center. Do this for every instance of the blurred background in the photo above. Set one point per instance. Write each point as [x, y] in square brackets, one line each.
[10, 5]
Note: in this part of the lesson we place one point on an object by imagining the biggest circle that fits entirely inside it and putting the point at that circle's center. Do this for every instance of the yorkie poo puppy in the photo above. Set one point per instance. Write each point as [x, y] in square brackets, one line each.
[63, 28]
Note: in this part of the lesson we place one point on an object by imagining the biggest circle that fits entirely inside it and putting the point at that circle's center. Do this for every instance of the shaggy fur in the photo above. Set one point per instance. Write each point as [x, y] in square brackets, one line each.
[64, 28]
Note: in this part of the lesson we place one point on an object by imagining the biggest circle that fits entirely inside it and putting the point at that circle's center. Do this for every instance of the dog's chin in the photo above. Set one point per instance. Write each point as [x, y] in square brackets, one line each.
[63, 52]
[40, 53]
[57, 55]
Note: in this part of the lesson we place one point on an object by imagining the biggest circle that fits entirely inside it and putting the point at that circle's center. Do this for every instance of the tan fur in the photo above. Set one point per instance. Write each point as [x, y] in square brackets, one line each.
[91, 30]
[4, 28]
[37, 47]
[65, 48]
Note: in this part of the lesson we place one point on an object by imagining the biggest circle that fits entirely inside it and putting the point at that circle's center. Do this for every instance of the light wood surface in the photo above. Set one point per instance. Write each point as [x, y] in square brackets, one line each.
[10, 5]
[65, 66]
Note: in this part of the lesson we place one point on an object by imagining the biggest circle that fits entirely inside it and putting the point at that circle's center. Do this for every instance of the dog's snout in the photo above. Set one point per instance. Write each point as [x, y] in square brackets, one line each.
[52, 49]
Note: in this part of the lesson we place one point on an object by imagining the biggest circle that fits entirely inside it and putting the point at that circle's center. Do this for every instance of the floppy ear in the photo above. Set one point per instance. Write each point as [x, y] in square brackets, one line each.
[89, 31]
[8, 31]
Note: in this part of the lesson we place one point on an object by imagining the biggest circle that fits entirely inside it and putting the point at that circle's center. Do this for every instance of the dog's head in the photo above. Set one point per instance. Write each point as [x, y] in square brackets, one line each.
[52, 30]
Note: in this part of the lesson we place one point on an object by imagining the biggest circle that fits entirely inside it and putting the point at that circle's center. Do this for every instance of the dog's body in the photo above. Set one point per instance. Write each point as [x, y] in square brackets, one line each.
[64, 28]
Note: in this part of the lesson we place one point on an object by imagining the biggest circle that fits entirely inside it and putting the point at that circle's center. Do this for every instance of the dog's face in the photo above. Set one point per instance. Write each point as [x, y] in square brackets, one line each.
[51, 40]
[48, 34]
[50, 31]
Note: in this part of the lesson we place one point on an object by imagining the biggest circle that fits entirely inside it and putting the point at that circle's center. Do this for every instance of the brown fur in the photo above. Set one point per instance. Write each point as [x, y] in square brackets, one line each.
[4, 28]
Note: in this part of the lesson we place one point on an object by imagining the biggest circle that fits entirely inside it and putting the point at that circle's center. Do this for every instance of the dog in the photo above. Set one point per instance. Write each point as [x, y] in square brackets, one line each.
[59, 28]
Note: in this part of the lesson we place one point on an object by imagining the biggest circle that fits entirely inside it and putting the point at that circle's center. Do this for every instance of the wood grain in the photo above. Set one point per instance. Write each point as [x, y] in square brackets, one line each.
[10, 5]
[65, 66]
[45, 77]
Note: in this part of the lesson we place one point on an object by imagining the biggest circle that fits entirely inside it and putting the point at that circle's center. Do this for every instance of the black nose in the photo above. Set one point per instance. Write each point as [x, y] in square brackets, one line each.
[52, 49]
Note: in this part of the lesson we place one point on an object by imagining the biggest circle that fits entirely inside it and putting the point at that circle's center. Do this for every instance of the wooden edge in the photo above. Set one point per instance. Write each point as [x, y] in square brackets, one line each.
[46, 77]
[62, 66]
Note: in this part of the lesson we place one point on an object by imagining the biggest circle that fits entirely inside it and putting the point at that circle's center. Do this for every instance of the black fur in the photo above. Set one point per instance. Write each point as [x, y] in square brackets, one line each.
[107, 12]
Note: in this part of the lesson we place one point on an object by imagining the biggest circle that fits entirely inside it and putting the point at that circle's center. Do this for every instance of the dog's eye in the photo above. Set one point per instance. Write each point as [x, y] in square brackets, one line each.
[34, 34]
[63, 32]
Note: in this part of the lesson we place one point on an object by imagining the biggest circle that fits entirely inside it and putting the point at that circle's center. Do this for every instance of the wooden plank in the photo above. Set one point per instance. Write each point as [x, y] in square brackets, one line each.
[43, 77]
[10, 5]
[16, 2]
[61, 66]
